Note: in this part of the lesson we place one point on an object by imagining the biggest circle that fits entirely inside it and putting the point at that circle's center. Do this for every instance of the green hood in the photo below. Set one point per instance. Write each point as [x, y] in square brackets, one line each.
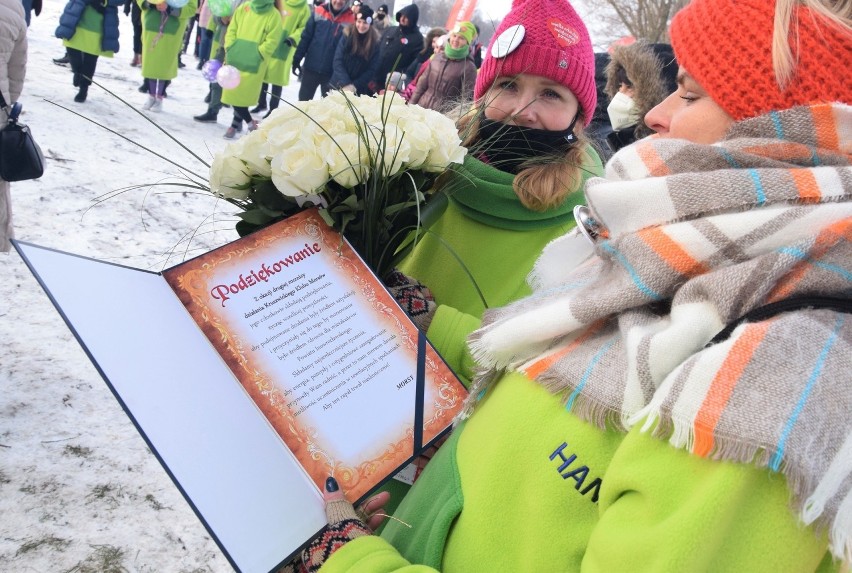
[262, 6]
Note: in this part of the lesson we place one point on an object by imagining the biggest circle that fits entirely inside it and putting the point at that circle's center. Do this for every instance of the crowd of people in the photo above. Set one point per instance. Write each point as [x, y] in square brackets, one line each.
[333, 44]
[642, 274]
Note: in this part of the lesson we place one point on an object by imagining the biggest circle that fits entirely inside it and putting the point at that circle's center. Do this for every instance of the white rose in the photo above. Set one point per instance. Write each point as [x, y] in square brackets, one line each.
[229, 177]
[393, 150]
[346, 158]
[420, 141]
[447, 148]
[285, 115]
[299, 170]
[255, 153]
[283, 136]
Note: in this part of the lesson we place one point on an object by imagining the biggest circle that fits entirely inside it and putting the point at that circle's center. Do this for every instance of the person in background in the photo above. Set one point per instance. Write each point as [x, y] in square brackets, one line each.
[253, 36]
[639, 76]
[295, 15]
[356, 7]
[13, 70]
[476, 49]
[450, 75]
[395, 83]
[600, 126]
[419, 63]
[381, 20]
[29, 7]
[399, 45]
[187, 35]
[318, 45]
[214, 95]
[132, 9]
[205, 33]
[88, 30]
[674, 395]
[355, 60]
[162, 35]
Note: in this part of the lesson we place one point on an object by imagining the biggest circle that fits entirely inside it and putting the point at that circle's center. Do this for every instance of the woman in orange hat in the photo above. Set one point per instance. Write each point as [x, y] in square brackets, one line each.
[674, 395]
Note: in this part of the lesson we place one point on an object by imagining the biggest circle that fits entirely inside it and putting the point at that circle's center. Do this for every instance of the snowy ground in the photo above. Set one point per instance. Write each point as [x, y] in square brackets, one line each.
[79, 490]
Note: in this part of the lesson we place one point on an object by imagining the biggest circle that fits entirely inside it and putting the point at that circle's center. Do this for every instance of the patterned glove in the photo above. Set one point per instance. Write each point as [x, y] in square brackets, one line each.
[343, 526]
[414, 297]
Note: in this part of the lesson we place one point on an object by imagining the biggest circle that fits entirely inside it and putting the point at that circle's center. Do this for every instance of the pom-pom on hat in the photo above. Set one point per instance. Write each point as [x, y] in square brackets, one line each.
[466, 30]
[726, 45]
[543, 38]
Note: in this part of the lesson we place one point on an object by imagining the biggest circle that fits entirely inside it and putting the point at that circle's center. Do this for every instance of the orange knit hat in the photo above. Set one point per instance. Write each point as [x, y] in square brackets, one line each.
[726, 45]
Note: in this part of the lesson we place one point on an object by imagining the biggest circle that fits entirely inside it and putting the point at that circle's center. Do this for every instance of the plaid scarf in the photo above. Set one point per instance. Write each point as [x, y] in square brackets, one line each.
[690, 237]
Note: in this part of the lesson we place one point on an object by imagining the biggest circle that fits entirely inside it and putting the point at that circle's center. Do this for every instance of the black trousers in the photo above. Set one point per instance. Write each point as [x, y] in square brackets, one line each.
[241, 114]
[136, 18]
[276, 95]
[83, 65]
[310, 82]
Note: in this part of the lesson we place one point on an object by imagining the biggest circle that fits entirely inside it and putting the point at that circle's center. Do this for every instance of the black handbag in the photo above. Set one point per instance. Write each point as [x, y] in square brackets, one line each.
[20, 155]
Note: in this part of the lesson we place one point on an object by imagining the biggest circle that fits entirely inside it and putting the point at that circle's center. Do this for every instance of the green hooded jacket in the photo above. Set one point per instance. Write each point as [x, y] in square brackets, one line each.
[295, 14]
[253, 35]
[162, 38]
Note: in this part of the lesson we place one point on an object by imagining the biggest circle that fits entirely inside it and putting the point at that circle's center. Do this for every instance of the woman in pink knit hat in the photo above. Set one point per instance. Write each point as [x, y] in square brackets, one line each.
[527, 163]
[675, 394]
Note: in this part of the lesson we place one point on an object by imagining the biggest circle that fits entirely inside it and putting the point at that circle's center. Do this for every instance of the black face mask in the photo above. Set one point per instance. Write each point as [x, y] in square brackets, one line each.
[506, 147]
[380, 16]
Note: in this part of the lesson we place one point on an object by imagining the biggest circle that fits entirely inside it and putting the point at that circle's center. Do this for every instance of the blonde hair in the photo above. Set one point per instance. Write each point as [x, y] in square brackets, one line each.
[539, 185]
[836, 12]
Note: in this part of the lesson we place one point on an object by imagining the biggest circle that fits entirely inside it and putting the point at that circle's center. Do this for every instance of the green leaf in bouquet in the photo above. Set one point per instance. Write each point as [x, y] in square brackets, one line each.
[326, 216]
[264, 193]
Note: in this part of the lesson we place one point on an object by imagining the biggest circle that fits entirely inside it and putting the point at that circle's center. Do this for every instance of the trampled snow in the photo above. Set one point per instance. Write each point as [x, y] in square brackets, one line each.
[79, 489]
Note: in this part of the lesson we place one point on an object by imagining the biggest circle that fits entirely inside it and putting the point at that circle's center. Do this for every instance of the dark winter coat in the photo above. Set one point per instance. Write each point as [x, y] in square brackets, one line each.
[652, 70]
[73, 13]
[320, 37]
[445, 84]
[399, 42]
[353, 69]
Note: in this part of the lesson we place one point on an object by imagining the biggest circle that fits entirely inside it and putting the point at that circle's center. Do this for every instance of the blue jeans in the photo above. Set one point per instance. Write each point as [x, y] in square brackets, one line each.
[28, 6]
[206, 44]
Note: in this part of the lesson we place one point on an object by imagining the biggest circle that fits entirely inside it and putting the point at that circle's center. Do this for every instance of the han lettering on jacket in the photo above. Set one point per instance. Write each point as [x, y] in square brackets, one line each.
[570, 468]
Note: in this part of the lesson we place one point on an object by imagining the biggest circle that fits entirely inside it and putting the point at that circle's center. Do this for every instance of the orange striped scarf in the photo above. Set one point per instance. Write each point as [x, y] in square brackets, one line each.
[689, 238]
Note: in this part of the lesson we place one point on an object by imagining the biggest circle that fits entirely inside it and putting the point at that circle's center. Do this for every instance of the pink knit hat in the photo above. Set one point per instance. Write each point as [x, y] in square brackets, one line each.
[543, 38]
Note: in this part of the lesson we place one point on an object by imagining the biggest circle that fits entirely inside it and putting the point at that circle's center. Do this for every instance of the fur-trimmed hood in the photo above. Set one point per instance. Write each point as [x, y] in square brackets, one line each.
[652, 69]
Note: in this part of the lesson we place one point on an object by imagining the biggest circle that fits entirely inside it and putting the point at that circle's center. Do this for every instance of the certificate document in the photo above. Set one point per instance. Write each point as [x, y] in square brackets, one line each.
[321, 347]
[255, 371]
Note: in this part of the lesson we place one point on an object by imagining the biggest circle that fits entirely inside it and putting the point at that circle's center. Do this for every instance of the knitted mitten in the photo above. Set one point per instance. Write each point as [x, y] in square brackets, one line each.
[414, 297]
[343, 526]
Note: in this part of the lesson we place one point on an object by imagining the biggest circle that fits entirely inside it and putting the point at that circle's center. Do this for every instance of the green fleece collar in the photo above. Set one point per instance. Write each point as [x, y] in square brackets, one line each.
[295, 3]
[485, 194]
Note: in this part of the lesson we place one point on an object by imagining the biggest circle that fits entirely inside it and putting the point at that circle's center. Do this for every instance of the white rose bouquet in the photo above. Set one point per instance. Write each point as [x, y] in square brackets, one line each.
[368, 163]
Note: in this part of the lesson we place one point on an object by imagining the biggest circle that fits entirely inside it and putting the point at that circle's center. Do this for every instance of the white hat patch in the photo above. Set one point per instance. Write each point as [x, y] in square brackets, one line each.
[508, 41]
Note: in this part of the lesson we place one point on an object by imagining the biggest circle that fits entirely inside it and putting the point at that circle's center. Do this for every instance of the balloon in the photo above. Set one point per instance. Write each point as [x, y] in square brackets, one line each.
[228, 77]
[209, 69]
[177, 3]
[221, 8]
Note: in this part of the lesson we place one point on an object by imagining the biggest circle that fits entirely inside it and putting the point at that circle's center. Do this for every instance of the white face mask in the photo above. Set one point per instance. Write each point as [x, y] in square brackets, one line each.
[622, 111]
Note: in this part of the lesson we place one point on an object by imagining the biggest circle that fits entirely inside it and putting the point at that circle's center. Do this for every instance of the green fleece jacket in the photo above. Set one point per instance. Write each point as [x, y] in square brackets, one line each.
[295, 15]
[253, 35]
[162, 38]
[524, 485]
[486, 232]
[88, 34]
